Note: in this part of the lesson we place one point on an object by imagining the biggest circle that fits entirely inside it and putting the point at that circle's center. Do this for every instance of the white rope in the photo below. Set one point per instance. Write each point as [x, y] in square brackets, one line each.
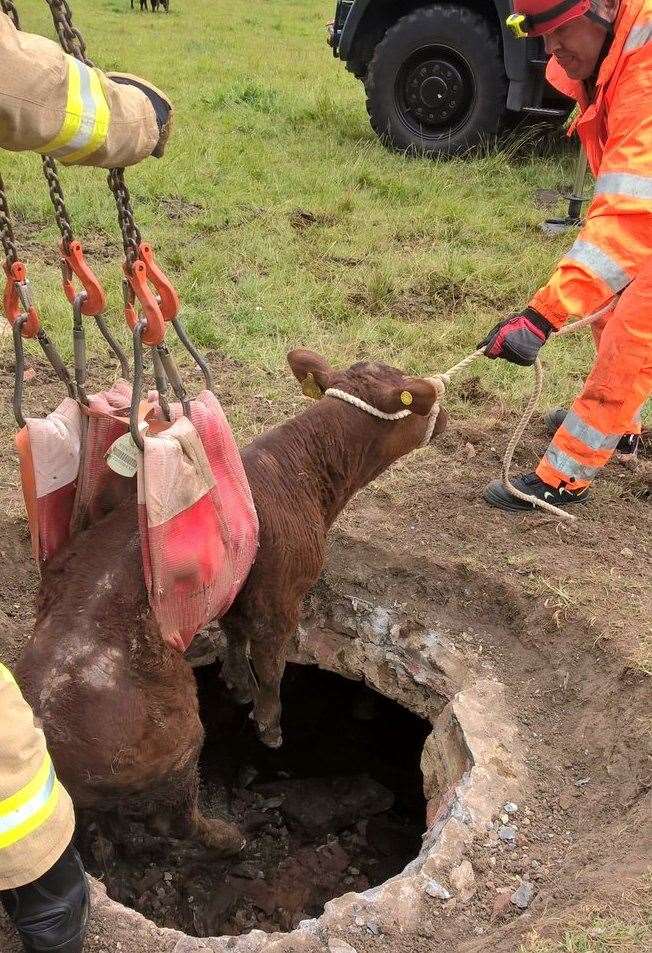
[363, 405]
[441, 382]
[397, 415]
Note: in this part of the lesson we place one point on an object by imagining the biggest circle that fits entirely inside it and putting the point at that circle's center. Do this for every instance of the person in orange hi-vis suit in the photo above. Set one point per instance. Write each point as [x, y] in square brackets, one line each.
[601, 55]
[50, 102]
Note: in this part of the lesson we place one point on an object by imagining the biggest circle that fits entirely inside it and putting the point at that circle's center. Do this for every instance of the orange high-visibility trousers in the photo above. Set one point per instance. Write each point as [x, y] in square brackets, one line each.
[614, 394]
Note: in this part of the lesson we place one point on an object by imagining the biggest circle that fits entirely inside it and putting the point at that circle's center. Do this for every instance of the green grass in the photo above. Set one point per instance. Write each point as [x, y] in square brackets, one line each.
[628, 930]
[407, 261]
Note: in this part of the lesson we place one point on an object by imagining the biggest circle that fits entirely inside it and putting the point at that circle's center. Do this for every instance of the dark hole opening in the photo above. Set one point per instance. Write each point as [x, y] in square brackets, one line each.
[339, 808]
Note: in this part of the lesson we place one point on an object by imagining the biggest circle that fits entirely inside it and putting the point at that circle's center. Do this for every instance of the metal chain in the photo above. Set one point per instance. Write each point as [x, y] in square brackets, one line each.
[58, 201]
[69, 36]
[11, 12]
[131, 237]
[6, 228]
[49, 165]
[73, 43]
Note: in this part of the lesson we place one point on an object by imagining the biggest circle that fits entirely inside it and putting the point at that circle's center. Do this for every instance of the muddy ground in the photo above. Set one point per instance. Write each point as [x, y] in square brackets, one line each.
[561, 612]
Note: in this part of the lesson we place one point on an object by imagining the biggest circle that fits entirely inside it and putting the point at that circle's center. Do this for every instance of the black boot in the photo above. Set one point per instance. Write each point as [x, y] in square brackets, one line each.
[627, 446]
[51, 913]
[495, 494]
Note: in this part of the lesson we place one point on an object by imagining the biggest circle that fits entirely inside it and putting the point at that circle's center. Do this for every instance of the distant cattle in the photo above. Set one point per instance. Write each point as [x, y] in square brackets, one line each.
[154, 3]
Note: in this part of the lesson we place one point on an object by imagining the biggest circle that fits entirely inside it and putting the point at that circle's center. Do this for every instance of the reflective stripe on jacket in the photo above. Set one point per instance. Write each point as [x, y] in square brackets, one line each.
[36, 814]
[52, 103]
[616, 131]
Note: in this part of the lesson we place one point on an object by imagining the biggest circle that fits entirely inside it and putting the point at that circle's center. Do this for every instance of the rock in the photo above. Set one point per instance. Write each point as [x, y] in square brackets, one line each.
[340, 946]
[522, 896]
[463, 879]
[323, 805]
[510, 808]
[501, 902]
[373, 928]
[582, 782]
[507, 833]
[434, 889]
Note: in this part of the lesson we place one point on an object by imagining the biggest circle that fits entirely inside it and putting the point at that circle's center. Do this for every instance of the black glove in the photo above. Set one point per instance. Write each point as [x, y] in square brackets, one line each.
[518, 339]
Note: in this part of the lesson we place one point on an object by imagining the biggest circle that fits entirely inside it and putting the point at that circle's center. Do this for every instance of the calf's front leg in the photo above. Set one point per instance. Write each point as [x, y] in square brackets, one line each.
[269, 657]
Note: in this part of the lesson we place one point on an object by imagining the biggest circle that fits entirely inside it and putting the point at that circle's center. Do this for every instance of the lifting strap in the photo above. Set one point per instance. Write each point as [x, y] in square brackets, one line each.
[198, 523]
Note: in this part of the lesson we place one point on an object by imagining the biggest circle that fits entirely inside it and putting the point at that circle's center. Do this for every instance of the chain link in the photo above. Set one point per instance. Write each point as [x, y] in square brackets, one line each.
[11, 11]
[69, 36]
[6, 228]
[49, 165]
[57, 199]
[131, 237]
[73, 43]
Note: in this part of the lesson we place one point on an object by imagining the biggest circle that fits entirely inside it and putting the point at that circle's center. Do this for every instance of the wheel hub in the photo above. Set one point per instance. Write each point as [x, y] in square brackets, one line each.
[435, 91]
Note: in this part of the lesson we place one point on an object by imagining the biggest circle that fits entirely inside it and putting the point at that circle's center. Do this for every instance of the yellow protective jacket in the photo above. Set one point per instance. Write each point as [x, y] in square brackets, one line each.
[51, 103]
[616, 131]
[36, 815]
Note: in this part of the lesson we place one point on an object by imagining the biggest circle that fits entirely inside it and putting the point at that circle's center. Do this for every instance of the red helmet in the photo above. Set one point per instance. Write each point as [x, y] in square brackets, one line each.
[537, 17]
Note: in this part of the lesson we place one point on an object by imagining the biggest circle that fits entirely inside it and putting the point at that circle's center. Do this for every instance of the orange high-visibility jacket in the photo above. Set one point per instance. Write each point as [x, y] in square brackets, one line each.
[616, 132]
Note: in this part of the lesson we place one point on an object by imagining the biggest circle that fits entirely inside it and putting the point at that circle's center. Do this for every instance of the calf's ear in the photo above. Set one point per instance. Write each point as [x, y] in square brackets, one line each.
[415, 394]
[312, 371]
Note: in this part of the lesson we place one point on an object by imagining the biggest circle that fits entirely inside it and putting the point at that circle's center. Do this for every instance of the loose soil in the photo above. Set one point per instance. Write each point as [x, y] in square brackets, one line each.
[561, 612]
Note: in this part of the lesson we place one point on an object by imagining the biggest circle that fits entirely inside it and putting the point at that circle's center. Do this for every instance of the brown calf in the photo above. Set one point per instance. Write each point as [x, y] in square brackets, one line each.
[119, 707]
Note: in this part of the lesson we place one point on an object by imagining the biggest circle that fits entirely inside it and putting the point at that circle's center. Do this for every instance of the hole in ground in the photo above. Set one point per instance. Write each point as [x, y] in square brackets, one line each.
[339, 807]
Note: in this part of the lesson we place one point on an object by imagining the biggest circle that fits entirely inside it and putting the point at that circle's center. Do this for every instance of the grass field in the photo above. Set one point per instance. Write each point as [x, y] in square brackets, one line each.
[281, 218]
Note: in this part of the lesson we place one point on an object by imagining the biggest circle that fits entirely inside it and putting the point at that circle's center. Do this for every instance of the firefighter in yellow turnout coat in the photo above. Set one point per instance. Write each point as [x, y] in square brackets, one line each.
[51, 103]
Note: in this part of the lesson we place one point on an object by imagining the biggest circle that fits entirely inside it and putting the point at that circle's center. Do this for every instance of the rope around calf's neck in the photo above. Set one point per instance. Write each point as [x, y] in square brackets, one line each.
[441, 382]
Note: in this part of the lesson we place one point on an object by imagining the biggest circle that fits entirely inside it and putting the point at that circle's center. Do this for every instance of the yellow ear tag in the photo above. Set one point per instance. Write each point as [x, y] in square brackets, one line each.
[311, 388]
[406, 398]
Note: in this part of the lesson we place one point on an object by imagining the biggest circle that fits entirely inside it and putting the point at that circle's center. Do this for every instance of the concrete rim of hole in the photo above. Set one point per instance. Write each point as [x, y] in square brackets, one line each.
[472, 764]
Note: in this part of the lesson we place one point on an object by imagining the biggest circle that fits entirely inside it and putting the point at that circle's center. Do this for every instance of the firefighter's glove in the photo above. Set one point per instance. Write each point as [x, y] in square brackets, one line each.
[518, 339]
[160, 103]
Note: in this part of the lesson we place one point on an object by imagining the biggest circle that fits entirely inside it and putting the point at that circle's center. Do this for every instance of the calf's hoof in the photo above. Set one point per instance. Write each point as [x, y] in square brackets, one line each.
[224, 840]
[271, 737]
[241, 696]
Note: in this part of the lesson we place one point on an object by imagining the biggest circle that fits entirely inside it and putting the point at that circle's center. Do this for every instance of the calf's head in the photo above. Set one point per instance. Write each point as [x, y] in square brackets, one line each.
[383, 389]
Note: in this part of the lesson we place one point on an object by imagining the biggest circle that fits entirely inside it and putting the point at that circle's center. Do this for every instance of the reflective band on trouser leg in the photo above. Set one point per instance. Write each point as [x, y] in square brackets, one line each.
[36, 815]
[619, 384]
[86, 119]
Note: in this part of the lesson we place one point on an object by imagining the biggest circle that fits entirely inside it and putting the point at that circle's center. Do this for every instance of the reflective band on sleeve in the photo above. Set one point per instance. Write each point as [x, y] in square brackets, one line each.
[585, 253]
[638, 37]
[86, 120]
[590, 436]
[622, 183]
[566, 465]
[28, 809]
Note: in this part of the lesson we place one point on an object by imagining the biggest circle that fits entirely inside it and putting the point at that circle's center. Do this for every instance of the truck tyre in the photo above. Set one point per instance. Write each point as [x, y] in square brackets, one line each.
[436, 84]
